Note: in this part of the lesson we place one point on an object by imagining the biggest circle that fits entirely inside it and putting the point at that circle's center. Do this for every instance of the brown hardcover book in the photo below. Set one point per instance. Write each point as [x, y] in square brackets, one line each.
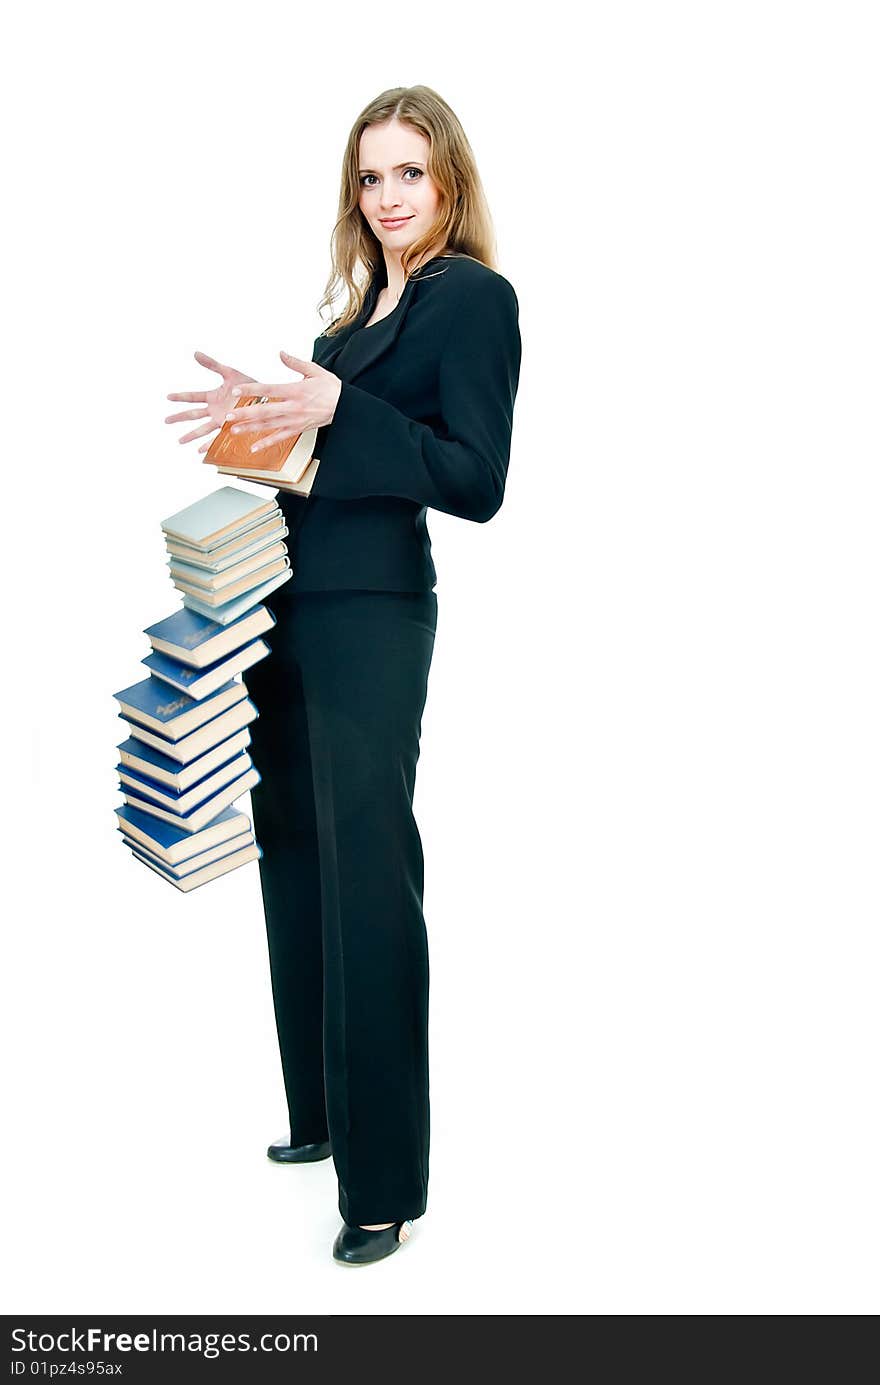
[288, 460]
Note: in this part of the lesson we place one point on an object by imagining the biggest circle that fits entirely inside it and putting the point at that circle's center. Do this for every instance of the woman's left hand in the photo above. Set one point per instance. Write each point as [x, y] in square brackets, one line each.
[307, 403]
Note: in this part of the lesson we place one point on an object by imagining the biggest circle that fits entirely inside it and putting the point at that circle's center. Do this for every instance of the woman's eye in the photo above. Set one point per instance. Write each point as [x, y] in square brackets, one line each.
[417, 171]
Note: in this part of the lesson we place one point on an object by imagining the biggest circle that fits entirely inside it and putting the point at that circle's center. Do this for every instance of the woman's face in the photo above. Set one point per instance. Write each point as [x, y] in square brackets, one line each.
[395, 184]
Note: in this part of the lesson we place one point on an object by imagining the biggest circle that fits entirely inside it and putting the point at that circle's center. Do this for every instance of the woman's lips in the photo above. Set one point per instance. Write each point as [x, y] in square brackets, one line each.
[398, 221]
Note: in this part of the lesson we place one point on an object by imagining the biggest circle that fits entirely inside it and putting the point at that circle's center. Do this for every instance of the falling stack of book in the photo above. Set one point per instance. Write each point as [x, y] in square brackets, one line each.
[185, 761]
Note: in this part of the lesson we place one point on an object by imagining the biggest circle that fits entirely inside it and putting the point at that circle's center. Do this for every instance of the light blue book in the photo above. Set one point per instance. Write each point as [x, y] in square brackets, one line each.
[231, 610]
[201, 640]
[173, 714]
[212, 598]
[232, 554]
[162, 769]
[198, 683]
[174, 844]
[199, 742]
[182, 803]
[265, 527]
[201, 877]
[196, 818]
[218, 517]
[213, 582]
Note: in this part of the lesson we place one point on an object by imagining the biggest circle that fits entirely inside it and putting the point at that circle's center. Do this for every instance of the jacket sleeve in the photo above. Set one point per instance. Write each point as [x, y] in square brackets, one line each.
[460, 466]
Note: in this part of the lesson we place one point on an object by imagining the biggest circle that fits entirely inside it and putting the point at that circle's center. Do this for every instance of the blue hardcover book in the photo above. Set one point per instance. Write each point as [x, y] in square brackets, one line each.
[198, 683]
[162, 769]
[200, 640]
[197, 818]
[173, 714]
[175, 844]
[231, 610]
[187, 799]
[200, 741]
[202, 858]
[201, 877]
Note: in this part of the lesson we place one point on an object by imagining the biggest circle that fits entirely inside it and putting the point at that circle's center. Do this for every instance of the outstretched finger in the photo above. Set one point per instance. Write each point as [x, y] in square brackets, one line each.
[279, 391]
[247, 413]
[257, 426]
[296, 362]
[260, 425]
[187, 413]
[190, 396]
[198, 432]
[278, 436]
[209, 361]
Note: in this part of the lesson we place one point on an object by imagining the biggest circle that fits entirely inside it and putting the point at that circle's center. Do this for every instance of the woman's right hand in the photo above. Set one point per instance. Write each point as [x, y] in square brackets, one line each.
[217, 402]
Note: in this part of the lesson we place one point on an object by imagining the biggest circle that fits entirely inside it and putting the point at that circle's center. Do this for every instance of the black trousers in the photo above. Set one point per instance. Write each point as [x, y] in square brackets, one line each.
[340, 699]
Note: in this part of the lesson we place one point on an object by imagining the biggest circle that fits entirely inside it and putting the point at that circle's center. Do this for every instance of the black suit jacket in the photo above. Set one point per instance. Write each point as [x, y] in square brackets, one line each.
[424, 420]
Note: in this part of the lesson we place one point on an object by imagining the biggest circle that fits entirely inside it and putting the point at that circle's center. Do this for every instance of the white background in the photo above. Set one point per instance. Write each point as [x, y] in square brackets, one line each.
[648, 782]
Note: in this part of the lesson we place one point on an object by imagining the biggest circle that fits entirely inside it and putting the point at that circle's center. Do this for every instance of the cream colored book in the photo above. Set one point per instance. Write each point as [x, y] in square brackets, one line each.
[218, 581]
[280, 479]
[239, 588]
[231, 553]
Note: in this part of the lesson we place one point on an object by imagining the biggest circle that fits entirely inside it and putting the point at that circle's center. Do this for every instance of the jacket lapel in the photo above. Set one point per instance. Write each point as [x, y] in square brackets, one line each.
[350, 353]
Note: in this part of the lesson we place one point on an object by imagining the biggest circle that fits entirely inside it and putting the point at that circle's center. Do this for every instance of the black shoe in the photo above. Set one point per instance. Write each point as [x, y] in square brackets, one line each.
[282, 1152]
[355, 1246]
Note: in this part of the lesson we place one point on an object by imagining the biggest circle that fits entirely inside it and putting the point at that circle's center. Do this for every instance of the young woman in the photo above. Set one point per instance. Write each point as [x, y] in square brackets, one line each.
[412, 389]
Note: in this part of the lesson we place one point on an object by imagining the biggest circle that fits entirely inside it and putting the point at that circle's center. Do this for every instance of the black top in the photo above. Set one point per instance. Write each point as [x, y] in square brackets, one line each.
[428, 424]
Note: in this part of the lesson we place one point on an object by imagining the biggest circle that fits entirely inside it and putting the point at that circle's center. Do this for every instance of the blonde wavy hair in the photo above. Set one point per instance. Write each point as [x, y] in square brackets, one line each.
[463, 225]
